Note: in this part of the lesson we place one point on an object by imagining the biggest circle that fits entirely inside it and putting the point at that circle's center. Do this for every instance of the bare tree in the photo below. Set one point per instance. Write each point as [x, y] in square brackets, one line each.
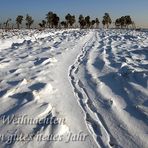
[70, 20]
[97, 23]
[29, 21]
[19, 20]
[6, 24]
[106, 20]
[82, 22]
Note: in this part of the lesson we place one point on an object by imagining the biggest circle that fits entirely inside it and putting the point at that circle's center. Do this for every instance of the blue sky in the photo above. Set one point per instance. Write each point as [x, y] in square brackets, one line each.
[95, 8]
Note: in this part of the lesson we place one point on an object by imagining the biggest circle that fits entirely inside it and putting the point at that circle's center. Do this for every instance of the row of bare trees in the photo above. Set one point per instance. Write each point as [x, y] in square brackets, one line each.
[19, 20]
[29, 21]
[124, 22]
[52, 20]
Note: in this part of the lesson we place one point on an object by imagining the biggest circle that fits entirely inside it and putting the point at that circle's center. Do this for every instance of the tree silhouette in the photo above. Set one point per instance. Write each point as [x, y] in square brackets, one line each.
[55, 20]
[82, 22]
[64, 24]
[93, 23]
[128, 21]
[88, 22]
[19, 20]
[6, 24]
[103, 22]
[67, 18]
[29, 21]
[118, 23]
[70, 20]
[123, 22]
[49, 17]
[43, 24]
[97, 23]
[106, 20]
[40, 24]
[52, 19]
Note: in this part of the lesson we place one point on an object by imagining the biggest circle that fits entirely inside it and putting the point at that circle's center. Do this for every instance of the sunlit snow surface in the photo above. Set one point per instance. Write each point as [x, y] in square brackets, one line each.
[94, 83]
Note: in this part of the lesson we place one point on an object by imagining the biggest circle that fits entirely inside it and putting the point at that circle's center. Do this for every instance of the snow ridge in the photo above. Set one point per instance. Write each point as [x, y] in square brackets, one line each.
[93, 119]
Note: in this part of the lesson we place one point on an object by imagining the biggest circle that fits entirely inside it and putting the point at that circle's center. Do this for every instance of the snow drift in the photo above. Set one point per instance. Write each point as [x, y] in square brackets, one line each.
[74, 88]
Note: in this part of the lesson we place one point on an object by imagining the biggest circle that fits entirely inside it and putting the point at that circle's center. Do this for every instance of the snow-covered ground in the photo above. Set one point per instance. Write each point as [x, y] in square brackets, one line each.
[74, 89]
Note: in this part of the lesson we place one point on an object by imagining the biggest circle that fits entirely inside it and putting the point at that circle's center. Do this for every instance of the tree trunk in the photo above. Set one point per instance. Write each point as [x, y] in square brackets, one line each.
[107, 25]
[18, 26]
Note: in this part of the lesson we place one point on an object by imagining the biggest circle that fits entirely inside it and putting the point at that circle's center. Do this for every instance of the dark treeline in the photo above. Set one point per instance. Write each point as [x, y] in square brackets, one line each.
[52, 20]
[124, 22]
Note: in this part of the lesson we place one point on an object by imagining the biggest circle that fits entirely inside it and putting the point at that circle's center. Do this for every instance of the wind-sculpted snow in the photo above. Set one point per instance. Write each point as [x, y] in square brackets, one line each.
[110, 79]
[79, 88]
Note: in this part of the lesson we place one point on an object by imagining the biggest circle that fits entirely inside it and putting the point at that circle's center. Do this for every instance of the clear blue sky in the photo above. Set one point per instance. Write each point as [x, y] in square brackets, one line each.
[138, 9]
